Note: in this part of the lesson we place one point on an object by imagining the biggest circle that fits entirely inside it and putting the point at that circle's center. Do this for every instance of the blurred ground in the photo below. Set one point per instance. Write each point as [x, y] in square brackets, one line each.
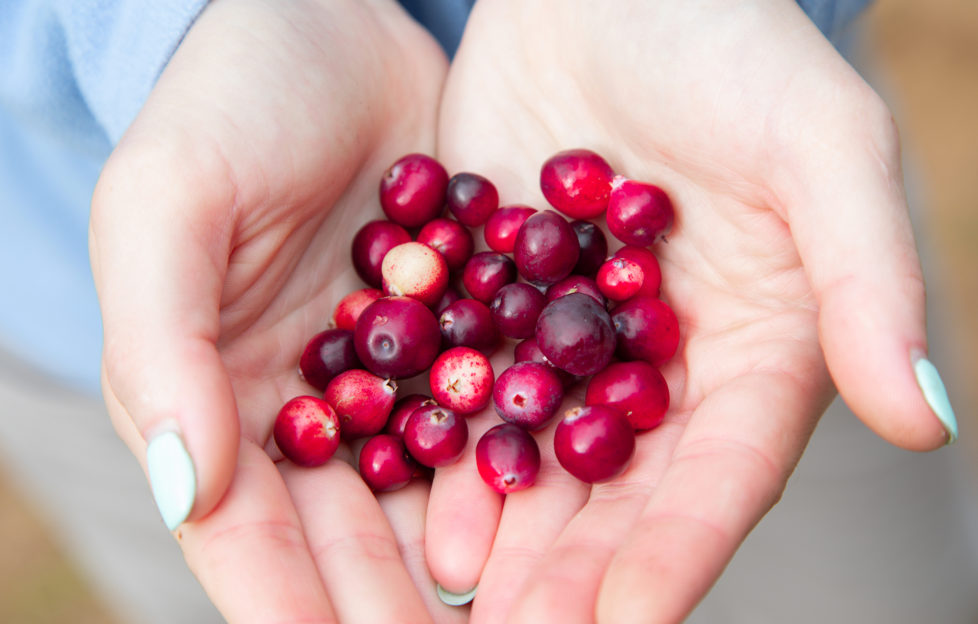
[924, 58]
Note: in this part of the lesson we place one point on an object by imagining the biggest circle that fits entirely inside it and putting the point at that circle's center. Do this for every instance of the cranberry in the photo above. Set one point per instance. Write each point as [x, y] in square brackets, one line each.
[503, 224]
[529, 351]
[573, 284]
[485, 273]
[594, 247]
[508, 458]
[370, 244]
[384, 463]
[415, 270]
[435, 436]
[577, 182]
[468, 323]
[620, 279]
[646, 329]
[528, 394]
[515, 309]
[450, 296]
[402, 410]
[575, 333]
[449, 238]
[471, 198]
[594, 443]
[326, 355]
[638, 214]
[307, 431]
[651, 273]
[349, 308]
[362, 401]
[397, 337]
[461, 380]
[412, 191]
[637, 389]
[546, 248]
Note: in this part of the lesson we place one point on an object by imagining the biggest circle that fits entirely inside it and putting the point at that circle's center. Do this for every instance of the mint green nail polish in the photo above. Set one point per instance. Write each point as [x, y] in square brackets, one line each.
[455, 600]
[172, 477]
[935, 394]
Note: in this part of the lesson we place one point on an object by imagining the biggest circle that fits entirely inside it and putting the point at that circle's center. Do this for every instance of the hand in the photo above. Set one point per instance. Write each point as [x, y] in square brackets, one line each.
[220, 242]
[791, 265]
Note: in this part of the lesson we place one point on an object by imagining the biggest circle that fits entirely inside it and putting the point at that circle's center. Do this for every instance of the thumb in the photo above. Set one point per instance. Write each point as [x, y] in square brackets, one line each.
[847, 212]
[159, 269]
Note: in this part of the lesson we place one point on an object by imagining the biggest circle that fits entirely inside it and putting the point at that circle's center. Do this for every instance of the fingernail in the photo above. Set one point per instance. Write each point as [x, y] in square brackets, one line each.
[171, 477]
[935, 394]
[455, 600]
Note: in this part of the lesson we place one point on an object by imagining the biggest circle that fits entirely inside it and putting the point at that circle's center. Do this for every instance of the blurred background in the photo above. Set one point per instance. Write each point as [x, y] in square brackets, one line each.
[923, 59]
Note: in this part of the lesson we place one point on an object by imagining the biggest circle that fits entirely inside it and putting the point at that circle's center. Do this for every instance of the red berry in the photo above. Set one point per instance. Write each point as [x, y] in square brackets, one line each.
[576, 334]
[651, 273]
[502, 226]
[471, 198]
[435, 436]
[384, 463]
[307, 431]
[485, 273]
[638, 214]
[646, 329]
[637, 389]
[528, 394]
[402, 410]
[397, 337]
[508, 458]
[515, 309]
[412, 191]
[326, 355]
[594, 443]
[370, 244]
[577, 183]
[573, 284]
[594, 247]
[461, 379]
[349, 308]
[449, 238]
[620, 279]
[415, 270]
[546, 249]
[468, 323]
[362, 401]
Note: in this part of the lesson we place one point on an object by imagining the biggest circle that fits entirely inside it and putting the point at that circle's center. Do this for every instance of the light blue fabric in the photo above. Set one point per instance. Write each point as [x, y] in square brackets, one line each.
[73, 74]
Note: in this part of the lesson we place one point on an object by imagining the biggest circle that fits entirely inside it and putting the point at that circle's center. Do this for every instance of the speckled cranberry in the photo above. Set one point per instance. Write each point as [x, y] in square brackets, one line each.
[508, 458]
[402, 410]
[594, 443]
[348, 310]
[435, 436]
[594, 247]
[449, 238]
[485, 273]
[637, 389]
[307, 431]
[651, 272]
[503, 224]
[528, 394]
[546, 249]
[461, 379]
[646, 328]
[471, 198]
[638, 213]
[362, 401]
[515, 310]
[468, 323]
[415, 270]
[576, 284]
[384, 463]
[370, 244]
[575, 333]
[397, 337]
[577, 182]
[620, 279]
[412, 190]
[326, 355]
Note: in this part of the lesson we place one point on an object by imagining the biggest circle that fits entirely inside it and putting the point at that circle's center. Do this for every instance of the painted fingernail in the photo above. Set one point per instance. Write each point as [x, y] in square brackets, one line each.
[171, 477]
[935, 394]
[455, 600]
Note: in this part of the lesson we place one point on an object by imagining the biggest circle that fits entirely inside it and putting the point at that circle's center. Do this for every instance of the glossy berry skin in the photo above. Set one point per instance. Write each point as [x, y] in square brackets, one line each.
[594, 247]
[546, 248]
[362, 401]
[348, 310]
[638, 214]
[577, 182]
[508, 458]
[461, 379]
[450, 296]
[307, 431]
[515, 310]
[397, 337]
[468, 323]
[620, 279]
[529, 351]
[435, 436]
[646, 329]
[485, 273]
[651, 272]
[503, 224]
[449, 238]
[412, 190]
[573, 284]
[384, 463]
[637, 389]
[594, 443]
[528, 394]
[402, 410]
[415, 270]
[471, 198]
[370, 244]
[575, 333]
[327, 354]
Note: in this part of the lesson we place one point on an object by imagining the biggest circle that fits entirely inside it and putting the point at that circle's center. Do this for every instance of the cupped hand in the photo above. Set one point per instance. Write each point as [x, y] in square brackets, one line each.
[791, 266]
[220, 244]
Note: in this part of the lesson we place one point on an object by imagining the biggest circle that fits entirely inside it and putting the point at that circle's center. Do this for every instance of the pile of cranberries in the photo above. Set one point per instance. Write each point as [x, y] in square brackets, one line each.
[546, 284]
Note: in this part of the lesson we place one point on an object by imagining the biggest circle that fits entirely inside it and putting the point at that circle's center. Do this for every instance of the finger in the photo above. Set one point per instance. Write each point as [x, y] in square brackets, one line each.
[727, 471]
[353, 545]
[250, 554]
